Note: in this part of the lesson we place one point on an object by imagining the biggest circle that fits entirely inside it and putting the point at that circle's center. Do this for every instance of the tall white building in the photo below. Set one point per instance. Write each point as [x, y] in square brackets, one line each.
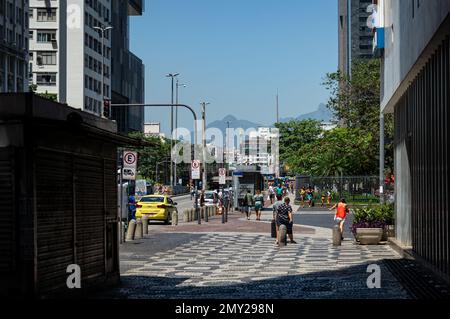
[67, 56]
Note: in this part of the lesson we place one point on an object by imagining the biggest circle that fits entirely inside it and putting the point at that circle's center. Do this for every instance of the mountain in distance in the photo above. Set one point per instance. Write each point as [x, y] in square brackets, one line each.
[322, 114]
[234, 123]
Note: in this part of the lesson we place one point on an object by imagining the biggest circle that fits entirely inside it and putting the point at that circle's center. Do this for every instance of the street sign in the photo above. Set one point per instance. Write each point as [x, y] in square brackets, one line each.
[222, 176]
[238, 174]
[129, 165]
[195, 169]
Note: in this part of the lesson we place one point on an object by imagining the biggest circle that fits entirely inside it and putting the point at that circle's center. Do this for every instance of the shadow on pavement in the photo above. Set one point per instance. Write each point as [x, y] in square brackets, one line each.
[346, 283]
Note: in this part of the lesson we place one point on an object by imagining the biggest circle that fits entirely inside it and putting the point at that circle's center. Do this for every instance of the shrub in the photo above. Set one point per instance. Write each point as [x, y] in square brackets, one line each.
[379, 216]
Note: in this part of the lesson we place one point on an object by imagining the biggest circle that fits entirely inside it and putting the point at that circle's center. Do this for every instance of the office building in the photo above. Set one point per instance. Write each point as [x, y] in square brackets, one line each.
[13, 45]
[413, 37]
[128, 72]
[355, 37]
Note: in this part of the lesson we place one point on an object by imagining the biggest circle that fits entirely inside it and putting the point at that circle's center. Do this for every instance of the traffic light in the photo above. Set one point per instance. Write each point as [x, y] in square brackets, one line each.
[107, 108]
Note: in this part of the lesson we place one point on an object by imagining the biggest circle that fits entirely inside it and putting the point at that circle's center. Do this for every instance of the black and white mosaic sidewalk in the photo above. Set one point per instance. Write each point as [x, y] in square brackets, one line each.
[234, 266]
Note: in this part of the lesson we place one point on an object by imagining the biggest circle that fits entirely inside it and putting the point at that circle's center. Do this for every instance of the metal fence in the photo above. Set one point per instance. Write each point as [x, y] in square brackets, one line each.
[355, 189]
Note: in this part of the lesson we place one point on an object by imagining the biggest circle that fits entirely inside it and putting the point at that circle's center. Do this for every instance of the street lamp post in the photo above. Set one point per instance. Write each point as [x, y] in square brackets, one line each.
[176, 122]
[102, 31]
[172, 76]
[204, 104]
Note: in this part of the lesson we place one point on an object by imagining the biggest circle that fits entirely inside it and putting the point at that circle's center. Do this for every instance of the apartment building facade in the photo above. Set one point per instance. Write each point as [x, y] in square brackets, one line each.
[68, 55]
[13, 45]
[415, 38]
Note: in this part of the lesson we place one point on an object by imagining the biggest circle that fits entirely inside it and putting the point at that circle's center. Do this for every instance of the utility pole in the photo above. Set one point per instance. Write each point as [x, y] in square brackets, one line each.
[381, 158]
[102, 31]
[278, 110]
[170, 75]
[176, 122]
[204, 104]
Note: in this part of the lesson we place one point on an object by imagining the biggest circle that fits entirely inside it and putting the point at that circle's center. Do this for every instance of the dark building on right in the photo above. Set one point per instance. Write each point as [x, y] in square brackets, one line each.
[412, 38]
[355, 37]
[128, 72]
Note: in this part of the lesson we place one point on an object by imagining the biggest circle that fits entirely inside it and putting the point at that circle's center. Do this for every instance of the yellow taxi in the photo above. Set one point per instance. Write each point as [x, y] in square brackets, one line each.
[156, 207]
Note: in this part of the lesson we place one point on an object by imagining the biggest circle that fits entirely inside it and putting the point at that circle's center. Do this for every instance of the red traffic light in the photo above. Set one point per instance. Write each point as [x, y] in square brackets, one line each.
[106, 108]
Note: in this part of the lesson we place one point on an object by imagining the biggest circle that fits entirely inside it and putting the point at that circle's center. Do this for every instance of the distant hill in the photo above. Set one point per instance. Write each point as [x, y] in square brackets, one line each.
[322, 114]
[234, 123]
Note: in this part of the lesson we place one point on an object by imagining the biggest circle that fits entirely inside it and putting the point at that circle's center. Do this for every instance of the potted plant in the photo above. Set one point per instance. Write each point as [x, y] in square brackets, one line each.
[370, 223]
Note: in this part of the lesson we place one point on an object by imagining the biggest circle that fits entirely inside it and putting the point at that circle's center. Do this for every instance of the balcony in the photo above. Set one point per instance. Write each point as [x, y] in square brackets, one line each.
[136, 7]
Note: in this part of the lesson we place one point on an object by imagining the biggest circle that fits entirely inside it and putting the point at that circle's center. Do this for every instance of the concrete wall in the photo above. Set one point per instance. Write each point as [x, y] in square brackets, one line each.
[407, 33]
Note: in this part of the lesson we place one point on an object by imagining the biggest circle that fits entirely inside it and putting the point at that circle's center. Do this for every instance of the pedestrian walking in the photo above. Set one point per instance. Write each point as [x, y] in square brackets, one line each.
[202, 199]
[285, 217]
[259, 200]
[279, 190]
[310, 196]
[131, 207]
[302, 196]
[271, 194]
[248, 203]
[341, 214]
[329, 197]
[323, 200]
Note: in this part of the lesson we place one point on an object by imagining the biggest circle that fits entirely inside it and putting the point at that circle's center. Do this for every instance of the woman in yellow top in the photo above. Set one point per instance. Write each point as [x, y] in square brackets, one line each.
[302, 196]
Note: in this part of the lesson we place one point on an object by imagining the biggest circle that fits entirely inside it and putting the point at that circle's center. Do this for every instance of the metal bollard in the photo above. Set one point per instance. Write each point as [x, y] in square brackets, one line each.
[337, 236]
[192, 215]
[186, 216]
[139, 231]
[175, 218]
[205, 211]
[283, 235]
[145, 225]
[131, 230]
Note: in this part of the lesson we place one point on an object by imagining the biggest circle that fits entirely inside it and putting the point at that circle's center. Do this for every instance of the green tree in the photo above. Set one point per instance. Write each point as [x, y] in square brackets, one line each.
[151, 156]
[341, 151]
[49, 96]
[355, 102]
[293, 136]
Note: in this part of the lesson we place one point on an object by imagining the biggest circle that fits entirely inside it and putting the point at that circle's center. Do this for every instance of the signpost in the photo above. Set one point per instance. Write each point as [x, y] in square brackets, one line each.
[195, 175]
[129, 165]
[222, 176]
[195, 169]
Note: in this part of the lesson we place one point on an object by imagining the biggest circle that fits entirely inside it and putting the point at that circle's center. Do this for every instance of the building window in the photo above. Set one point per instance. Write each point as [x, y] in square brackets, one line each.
[46, 58]
[46, 36]
[46, 15]
[47, 79]
[31, 35]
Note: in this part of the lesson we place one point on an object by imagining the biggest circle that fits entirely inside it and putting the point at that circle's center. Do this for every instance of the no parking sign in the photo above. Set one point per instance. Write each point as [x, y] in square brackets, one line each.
[195, 169]
[129, 165]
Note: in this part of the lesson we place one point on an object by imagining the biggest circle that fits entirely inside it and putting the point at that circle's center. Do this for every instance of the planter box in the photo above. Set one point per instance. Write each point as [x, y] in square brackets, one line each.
[369, 236]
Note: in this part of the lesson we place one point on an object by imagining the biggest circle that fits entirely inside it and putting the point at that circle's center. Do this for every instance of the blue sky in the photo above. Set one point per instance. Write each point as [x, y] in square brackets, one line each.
[235, 54]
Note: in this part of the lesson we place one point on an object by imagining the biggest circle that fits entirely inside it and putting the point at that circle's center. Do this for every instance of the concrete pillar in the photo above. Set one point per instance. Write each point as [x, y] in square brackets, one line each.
[131, 230]
[186, 215]
[283, 235]
[336, 236]
[145, 224]
[139, 232]
[175, 218]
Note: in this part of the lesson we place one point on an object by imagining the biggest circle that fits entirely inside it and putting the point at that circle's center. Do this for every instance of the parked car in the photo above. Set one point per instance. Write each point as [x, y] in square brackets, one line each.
[211, 198]
[156, 207]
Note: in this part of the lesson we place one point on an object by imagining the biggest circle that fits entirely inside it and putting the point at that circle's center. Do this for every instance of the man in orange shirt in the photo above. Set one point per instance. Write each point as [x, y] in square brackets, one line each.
[341, 213]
